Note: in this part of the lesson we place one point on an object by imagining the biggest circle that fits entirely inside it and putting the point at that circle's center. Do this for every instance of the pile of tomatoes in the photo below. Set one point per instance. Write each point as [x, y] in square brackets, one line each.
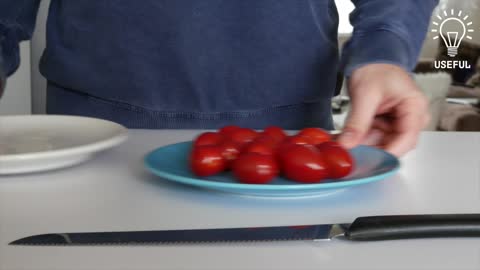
[257, 157]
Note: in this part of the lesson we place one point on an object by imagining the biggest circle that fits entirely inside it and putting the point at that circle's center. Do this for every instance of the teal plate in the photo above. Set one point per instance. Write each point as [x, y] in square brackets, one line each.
[171, 163]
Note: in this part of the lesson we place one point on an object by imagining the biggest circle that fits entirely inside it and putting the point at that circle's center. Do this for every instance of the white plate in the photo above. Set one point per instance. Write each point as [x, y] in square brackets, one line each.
[32, 143]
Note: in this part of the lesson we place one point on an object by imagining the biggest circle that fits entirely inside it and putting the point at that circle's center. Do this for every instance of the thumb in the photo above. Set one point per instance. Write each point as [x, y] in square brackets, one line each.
[360, 118]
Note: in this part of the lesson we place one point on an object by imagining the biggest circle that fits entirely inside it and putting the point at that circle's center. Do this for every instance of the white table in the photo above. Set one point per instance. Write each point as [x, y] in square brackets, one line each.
[114, 192]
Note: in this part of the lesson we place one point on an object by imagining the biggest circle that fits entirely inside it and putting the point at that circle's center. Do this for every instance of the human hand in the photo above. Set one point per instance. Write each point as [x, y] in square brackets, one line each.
[388, 110]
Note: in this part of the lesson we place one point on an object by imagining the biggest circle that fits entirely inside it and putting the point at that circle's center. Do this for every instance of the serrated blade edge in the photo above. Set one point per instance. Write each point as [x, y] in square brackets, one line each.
[195, 236]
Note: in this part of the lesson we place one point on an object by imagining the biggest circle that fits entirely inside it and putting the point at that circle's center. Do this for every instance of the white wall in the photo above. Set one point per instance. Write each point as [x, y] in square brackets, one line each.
[344, 8]
[17, 99]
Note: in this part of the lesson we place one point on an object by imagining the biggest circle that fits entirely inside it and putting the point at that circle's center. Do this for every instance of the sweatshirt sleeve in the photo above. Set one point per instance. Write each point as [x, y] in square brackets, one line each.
[17, 21]
[386, 31]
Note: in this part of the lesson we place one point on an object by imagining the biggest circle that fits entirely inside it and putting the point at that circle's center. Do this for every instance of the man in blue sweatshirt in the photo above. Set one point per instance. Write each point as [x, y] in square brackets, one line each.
[210, 63]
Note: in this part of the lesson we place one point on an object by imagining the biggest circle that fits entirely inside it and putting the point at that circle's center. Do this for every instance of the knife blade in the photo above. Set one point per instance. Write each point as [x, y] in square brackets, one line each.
[371, 228]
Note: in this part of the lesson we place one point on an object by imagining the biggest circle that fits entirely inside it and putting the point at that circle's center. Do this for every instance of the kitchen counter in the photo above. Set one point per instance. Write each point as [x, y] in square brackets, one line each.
[114, 192]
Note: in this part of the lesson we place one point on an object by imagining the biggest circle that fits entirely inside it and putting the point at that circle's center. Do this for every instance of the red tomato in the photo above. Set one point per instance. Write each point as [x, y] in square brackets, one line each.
[207, 160]
[339, 161]
[243, 135]
[208, 138]
[253, 168]
[299, 139]
[276, 133]
[264, 148]
[227, 131]
[303, 163]
[230, 151]
[280, 149]
[316, 135]
[266, 139]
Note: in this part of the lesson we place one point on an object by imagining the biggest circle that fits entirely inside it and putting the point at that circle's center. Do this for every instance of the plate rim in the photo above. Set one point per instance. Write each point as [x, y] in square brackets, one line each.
[99, 145]
[298, 186]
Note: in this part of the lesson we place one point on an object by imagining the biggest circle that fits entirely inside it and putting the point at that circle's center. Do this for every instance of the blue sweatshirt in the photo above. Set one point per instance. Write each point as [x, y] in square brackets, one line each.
[208, 63]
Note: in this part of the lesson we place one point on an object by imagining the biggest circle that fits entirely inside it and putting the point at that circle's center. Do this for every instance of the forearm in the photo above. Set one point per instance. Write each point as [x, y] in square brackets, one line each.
[387, 31]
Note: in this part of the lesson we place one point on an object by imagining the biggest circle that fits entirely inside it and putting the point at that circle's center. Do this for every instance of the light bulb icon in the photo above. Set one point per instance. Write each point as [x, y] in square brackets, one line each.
[453, 29]
[453, 39]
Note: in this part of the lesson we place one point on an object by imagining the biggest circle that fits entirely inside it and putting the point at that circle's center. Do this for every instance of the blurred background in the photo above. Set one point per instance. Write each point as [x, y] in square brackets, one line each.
[453, 94]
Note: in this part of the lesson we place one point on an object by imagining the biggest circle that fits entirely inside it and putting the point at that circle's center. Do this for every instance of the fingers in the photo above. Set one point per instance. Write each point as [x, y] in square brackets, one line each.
[398, 131]
[388, 110]
[379, 132]
[402, 143]
[374, 137]
[359, 120]
[411, 117]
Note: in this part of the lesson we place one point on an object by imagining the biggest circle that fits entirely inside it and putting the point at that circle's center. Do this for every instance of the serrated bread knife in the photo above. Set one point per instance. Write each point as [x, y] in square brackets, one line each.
[371, 228]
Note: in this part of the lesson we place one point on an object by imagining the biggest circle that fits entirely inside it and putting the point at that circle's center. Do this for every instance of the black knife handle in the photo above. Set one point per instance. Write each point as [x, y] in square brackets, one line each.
[414, 226]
